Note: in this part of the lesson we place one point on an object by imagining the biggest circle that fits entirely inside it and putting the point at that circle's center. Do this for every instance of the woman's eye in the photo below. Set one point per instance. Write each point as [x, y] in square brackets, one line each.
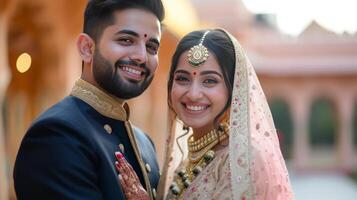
[152, 48]
[210, 81]
[181, 79]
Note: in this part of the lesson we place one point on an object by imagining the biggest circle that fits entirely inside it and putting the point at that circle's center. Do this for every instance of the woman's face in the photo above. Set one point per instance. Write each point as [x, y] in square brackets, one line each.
[198, 94]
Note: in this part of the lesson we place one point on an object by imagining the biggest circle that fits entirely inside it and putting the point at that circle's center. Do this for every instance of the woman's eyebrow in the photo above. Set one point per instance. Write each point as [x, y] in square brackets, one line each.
[180, 71]
[211, 72]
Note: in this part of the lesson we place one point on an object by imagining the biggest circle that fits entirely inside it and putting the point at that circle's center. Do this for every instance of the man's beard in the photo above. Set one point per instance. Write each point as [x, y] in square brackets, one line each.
[108, 78]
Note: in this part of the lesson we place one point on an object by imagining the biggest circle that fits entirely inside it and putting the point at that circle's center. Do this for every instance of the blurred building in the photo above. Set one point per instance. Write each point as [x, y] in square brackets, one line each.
[310, 81]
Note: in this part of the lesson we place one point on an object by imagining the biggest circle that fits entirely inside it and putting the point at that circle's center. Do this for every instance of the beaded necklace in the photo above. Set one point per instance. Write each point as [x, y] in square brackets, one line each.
[200, 155]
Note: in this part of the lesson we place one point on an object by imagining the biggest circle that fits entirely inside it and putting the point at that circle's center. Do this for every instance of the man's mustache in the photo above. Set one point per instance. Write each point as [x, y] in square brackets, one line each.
[132, 63]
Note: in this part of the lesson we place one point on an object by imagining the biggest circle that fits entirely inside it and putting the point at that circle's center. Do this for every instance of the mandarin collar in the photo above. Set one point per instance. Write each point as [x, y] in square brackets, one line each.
[104, 103]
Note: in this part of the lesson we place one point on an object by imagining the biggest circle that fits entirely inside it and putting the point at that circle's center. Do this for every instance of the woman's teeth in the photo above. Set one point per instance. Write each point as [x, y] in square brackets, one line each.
[196, 108]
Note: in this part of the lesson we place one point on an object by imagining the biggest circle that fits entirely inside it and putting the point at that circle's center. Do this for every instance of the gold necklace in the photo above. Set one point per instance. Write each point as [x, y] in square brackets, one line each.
[202, 142]
[198, 148]
[196, 156]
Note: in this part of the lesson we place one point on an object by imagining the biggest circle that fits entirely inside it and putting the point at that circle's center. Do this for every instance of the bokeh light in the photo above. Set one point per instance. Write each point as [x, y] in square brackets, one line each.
[23, 63]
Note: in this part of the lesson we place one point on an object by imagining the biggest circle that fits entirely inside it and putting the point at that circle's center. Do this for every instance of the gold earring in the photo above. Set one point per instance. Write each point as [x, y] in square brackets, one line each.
[222, 127]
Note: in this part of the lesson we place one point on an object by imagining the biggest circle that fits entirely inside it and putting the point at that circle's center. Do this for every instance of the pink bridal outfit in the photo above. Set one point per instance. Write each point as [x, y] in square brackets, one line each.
[251, 167]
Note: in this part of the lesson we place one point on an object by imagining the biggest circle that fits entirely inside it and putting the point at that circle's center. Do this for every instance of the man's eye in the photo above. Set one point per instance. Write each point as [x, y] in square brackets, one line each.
[125, 41]
[152, 48]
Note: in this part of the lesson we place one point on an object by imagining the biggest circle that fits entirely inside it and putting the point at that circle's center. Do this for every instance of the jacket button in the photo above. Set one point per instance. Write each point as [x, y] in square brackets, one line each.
[148, 168]
[121, 147]
[108, 129]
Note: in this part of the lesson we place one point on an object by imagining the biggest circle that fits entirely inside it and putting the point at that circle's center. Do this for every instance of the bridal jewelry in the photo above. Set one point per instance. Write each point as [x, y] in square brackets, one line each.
[200, 155]
[185, 176]
[198, 54]
[198, 148]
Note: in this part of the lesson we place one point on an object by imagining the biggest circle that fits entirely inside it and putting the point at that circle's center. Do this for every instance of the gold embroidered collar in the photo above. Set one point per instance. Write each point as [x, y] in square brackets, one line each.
[101, 101]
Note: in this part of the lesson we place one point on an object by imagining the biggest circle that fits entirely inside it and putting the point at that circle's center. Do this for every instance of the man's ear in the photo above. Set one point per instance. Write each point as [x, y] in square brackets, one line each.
[85, 46]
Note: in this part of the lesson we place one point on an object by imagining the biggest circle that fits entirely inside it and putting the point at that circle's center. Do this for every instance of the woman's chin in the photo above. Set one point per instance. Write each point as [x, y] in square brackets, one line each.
[196, 125]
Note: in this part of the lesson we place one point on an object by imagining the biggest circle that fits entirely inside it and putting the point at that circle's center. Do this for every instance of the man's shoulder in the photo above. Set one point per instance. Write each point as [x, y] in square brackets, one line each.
[66, 107]
[66, 119]
[65, 113]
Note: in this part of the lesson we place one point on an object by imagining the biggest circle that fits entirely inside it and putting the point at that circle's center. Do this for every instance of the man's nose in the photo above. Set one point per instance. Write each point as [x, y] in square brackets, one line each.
[139, 54]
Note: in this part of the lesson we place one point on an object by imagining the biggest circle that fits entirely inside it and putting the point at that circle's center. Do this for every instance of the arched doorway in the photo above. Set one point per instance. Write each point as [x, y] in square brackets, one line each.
[284, 125]
[323, 134]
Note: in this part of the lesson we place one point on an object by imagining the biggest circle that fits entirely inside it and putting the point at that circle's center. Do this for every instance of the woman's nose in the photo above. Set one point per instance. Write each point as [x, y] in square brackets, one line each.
[194, 92]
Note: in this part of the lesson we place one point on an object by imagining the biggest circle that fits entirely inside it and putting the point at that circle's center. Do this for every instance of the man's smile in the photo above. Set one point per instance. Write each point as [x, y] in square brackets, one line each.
[133, 72]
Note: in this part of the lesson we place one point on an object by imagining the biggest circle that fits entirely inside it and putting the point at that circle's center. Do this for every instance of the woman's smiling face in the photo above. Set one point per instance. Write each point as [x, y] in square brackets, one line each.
[199, 94]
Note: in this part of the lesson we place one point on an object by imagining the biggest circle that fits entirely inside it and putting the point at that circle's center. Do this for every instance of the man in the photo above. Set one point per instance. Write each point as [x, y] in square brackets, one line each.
[69, 151]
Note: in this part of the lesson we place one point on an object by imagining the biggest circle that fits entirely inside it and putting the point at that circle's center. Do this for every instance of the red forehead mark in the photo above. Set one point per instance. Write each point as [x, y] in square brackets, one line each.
[145, 35]
[194, 73]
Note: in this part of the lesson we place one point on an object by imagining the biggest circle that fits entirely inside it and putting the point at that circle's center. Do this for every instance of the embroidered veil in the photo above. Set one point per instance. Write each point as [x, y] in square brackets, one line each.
[258, 170]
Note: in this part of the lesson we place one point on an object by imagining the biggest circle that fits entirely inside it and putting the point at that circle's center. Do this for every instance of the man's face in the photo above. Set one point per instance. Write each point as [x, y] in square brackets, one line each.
[126, 54]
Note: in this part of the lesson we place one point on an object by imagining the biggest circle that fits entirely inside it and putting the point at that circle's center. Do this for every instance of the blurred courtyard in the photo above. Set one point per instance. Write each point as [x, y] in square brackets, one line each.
[323, 186]
[310, 81]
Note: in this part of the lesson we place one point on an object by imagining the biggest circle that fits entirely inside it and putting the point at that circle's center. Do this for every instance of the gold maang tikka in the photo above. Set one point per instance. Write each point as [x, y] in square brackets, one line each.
[198, 54]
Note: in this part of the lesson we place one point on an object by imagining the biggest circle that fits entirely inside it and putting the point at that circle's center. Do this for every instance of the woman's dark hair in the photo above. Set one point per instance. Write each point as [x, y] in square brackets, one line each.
[218, 43]
[99, 13]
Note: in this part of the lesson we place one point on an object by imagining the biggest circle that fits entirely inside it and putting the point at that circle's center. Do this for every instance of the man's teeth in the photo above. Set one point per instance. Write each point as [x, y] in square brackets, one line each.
[133, 71]
[196, 108]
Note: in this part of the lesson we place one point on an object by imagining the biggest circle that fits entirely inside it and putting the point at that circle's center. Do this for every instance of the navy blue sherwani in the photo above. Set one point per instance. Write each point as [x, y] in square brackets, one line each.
[69, 151]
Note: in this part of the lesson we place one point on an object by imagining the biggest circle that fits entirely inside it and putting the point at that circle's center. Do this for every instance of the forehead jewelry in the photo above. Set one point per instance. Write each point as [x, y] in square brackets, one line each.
[198, 54]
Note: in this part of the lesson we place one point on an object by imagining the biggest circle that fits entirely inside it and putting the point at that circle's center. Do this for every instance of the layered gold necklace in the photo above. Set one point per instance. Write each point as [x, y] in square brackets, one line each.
[198, 148]
[200, 155]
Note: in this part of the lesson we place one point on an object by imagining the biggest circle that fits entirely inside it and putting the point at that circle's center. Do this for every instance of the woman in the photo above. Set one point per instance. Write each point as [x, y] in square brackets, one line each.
[233, 152]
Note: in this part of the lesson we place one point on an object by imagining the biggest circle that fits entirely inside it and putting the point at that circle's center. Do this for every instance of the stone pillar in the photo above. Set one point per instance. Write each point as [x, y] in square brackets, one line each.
[68, 24]
[345, 139]
[6, 9]
[300, 116]
[5, 76]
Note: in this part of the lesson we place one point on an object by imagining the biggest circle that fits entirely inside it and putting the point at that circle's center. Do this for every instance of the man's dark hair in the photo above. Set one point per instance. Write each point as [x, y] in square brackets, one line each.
[99, 13]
